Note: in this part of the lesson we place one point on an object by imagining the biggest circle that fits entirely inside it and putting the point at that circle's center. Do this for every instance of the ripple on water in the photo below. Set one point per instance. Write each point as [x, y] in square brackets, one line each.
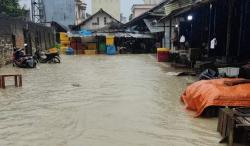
[120, 101]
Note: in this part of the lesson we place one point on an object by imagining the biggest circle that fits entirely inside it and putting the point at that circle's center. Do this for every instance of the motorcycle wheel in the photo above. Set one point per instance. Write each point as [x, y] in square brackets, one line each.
[56, 60]
[43, 61]
[37, 61]
[34, 65]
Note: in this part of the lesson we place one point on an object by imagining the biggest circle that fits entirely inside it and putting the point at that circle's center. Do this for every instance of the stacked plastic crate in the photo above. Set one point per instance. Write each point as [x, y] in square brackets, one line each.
[163, 54]
[110, 42]
[91, 49]
[64, 41]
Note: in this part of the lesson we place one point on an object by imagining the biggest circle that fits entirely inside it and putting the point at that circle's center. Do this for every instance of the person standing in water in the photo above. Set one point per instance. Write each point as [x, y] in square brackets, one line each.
[213, 45]
[182, 42]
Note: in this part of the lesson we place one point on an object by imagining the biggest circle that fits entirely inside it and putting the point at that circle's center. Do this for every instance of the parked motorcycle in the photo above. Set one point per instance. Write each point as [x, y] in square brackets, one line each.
[44, 57]
[23, 61]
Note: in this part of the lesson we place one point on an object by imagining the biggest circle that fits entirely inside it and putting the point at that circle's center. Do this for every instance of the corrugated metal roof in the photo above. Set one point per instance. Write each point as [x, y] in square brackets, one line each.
[184, 3]
[170, 7]
[146, 14]
[186, 8]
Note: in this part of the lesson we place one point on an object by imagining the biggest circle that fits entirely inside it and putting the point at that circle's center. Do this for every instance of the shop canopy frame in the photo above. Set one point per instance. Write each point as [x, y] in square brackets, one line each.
[186, 9]
[77, 34]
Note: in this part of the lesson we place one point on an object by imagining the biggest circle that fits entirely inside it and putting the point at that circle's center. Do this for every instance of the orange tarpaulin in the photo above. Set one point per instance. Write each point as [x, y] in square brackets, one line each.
[203, 94]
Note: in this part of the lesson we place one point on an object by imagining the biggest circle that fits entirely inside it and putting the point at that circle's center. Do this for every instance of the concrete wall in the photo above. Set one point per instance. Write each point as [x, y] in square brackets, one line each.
[80, 11]
[6, 50]
[110, 6]
[61, 11]
[137, 10]
[15, 32]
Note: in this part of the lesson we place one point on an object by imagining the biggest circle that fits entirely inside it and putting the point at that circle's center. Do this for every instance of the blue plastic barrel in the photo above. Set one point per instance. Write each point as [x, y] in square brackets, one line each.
[111, 50]
[69, 51]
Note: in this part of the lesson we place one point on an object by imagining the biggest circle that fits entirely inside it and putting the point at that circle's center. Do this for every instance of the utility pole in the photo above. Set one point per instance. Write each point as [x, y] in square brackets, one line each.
[229, 26]
[38, 11]
[242, 20]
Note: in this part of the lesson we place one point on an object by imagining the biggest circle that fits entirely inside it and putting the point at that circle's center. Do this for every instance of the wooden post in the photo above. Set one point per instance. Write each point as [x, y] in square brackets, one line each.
[231, 132]
[20, 81]
[209, 27]
[16, 84]
[242, 13]
[3, 82]
[229, 26]
[170, 33]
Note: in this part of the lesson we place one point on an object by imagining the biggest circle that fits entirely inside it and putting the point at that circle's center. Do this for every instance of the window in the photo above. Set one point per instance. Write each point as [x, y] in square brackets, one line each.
[105, 21]
[97, 21]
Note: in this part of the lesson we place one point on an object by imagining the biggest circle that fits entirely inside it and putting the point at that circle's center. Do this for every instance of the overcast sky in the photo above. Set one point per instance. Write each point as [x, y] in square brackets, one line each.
[125, 5]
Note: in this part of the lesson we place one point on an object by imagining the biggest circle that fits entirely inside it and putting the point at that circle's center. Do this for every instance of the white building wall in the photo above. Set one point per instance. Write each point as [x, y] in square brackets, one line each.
[61, 11]
[137, 10]
[110, 6]
[152, 1]
[90, 24]
[80, 11]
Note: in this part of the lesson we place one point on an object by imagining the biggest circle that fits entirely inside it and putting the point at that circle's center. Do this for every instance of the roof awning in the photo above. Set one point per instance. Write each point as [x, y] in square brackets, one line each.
[81, 33]
[154, 27]
[186, 9]
[78, 34]
[126, 35]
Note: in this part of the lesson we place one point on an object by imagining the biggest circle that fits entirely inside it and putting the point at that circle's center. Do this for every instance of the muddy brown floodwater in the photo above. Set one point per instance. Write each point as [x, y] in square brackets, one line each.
[101, 101]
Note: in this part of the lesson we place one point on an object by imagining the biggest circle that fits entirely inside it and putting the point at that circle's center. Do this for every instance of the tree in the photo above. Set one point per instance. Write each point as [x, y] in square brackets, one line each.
[130, 17]
[11, 8]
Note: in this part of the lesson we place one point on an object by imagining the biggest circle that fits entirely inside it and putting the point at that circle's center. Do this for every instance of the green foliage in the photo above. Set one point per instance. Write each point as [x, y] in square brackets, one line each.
[11, 8]
[130, 17]
[58, 46]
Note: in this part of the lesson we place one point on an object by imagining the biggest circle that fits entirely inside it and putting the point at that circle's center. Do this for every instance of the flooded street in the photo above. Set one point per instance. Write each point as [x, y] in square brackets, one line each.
[101, 101]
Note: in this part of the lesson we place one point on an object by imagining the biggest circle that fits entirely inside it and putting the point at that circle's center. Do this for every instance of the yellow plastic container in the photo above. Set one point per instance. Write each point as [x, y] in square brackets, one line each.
[53, 50]
[163, 50]
[64, 45]
[63, 50]
[90, 52]
[63, 35]
[92, 46]
[64, 39]
[110, 40]
[65, 42]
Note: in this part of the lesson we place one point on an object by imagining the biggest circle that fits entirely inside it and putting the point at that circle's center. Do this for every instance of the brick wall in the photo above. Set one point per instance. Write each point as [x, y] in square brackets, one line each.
[19, 41]
[6, 50]
[16, 32]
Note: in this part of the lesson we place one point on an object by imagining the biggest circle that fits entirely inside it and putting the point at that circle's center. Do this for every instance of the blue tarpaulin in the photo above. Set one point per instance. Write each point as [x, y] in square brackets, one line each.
[85, 33]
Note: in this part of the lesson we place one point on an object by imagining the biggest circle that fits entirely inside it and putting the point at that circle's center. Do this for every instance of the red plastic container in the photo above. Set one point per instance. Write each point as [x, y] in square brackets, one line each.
[163, 56]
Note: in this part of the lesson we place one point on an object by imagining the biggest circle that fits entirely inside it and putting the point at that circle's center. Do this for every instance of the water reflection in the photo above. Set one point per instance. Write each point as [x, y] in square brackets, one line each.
[118, 101]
